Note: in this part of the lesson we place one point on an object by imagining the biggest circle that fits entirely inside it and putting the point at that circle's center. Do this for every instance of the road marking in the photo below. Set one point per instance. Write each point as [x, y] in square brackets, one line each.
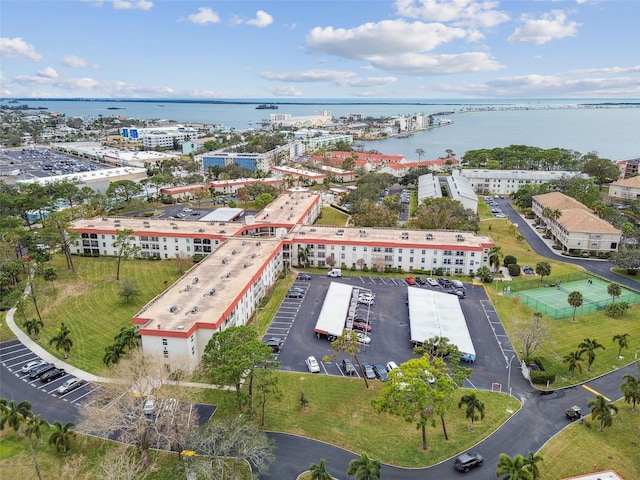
[595, 392]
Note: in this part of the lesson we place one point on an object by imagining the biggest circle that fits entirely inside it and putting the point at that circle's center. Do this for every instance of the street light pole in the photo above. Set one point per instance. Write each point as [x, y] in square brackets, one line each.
[509, 377]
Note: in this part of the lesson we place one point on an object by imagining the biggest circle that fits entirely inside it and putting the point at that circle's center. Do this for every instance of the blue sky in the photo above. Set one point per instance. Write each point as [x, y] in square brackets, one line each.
[412, 49]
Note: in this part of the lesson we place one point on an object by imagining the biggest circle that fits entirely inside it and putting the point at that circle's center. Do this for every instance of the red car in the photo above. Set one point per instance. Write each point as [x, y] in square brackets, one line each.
[363, 326]
[410, 280]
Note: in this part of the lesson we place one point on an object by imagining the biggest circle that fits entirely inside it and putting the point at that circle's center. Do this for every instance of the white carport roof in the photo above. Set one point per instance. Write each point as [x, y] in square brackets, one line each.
[439, 314]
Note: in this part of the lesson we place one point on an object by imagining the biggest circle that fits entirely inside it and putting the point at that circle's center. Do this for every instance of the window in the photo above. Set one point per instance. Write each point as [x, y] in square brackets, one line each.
[165, 341]
[399, 259]
[447, 253]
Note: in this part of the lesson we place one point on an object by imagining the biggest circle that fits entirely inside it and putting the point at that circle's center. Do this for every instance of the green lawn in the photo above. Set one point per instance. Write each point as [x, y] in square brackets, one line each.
[333, 217]
[581, 449]
[89, 303]
[340, 412]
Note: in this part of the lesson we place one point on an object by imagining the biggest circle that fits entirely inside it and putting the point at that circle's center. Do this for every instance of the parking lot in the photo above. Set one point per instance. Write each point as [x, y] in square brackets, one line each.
[28, 163]
[14, 355]
[390, 336]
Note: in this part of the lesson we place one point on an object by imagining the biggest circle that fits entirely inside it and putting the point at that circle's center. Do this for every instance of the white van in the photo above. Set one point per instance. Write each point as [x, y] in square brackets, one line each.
[335, 272]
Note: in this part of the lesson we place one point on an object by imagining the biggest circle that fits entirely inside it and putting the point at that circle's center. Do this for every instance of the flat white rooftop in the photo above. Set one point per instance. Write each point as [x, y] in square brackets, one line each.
[437, 314]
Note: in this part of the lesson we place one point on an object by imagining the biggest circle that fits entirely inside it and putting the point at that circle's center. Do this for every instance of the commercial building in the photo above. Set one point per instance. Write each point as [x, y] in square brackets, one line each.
[576, 228]
[506, 182]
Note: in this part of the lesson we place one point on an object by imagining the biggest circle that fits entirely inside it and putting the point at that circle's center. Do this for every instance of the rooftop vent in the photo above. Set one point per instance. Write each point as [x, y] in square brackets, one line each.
[225, 261]
[195, 309]
[233, 252]
[187, 288]
[195, 280]
[201, 230]
[244, 243]
[429, 236]
[173, 309]
[212, 292]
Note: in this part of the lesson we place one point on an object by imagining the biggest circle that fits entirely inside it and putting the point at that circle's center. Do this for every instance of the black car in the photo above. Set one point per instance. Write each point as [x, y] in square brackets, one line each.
[444, 282]
[467, 461]
[52, 375]
[420, 281]
[381, 372]
[347, 367]
[275, 343]
[304, 276]
[295, 294]
[41, 370]
[368, 371]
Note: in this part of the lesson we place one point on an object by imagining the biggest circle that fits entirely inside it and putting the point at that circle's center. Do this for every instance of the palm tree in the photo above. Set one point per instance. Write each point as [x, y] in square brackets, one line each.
[34, 425]
[364, 468]
[13, 414]
[303, 255]
[631, 390]
[420, 152]
[62, 340]
[574, 360]
[623, 342]
[61, 435]
[513, 468]
[495, 255]
[575, 299]
[602, 410]
[543, 269]
[473, 403]
[112, 354]
[319, 471]
[589, 346]
[614, 289]
[127, 337]
[33, 326]
[531, 463]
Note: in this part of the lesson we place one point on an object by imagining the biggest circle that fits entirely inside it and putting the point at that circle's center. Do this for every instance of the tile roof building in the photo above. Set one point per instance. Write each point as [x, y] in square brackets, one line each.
[626, 189]
[577, 228]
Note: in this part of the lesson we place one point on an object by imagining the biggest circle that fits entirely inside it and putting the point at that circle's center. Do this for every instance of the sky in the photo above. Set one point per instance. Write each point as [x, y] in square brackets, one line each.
[296, 49]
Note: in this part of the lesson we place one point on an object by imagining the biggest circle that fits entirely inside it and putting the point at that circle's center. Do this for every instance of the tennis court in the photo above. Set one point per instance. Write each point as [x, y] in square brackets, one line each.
[551, 298]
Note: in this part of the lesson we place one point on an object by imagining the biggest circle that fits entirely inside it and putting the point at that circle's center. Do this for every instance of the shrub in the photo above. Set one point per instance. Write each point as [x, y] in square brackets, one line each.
[510, 260]
[540, 377]
[365, 268]
[514, 269]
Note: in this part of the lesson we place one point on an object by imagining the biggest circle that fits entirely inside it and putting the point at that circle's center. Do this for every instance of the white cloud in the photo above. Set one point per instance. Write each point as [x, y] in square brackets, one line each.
[459, 12]
[204, 16]
[551, 26]
[73, 61]
[389, 37]
[263, 19]
[285, 91]
[336, 77]
[17, 47]
[132, 5]
[48, 72]
[419, 64]
[607, 70]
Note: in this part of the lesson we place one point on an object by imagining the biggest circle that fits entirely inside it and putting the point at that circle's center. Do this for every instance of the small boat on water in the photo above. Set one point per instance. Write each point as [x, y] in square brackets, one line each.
[267, 106]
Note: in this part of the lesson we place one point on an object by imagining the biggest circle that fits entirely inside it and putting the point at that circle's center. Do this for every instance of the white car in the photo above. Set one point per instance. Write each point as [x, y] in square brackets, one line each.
[149, 406]
[367, 295]
[363, 338]
[312, 364]
[432, 283]
[366, 301]
[27, 367]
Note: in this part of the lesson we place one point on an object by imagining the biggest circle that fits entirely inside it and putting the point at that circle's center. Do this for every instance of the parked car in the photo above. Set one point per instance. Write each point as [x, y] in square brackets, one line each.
[69, 385]
[432, 283]
[27, 367]
[420, 281]
[312, 364]
[366, 301]
[381, 372]
[456, 291]
[363, 326]
[52, 374]
[347, 367]
[410, 280]
[457, 284]
[363, 338]
[304, 276]
[275, 343]
[391, 366]
[573, 413]
[41, 370]
[149, 406]
[370, 295]
[444, 282]
[295, 294]
[467, 461]
[368, 371]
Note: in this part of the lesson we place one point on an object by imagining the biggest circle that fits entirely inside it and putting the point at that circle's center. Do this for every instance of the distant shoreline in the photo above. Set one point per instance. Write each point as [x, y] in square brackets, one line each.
[458, 102]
